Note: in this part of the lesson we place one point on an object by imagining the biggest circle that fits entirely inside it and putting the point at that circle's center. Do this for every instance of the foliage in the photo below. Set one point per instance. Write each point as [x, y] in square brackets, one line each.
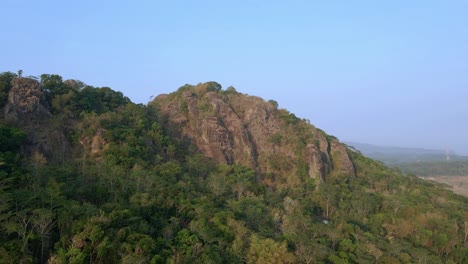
[263, 251]
[5, 86]
[435, 168]
[274, 103]
[288, 118]
[231, 90]
[71, 100]
[213, 87]
[131, 193]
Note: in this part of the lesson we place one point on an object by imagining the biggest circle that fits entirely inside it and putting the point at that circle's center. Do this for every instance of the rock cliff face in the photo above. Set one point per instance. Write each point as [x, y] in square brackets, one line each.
[27, 108]
[26, 102]
[234, 128]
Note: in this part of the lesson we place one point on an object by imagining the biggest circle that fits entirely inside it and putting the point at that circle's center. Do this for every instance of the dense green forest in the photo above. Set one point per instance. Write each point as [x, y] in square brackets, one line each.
[126, 190]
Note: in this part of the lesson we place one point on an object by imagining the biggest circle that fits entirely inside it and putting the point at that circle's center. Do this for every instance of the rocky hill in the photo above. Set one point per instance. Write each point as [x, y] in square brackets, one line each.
[234, 128]
[26, 102]
[201, 175]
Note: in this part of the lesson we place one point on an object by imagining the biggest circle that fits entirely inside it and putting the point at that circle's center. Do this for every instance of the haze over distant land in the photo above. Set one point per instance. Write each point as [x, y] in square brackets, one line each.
[397, 155]
[390, 73]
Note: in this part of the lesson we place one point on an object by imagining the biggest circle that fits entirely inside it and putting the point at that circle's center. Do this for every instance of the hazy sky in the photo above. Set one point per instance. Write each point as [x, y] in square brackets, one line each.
[393, 73]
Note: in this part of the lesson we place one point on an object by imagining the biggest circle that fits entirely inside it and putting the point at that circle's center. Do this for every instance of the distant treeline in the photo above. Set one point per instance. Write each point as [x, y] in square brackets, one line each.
[435, 168]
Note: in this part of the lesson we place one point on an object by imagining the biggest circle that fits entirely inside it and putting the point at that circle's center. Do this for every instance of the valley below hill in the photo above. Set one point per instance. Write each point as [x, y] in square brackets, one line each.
[458, 184]
[434, 165]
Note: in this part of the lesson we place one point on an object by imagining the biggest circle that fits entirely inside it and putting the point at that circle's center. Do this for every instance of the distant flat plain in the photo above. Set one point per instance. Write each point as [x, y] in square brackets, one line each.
[458, 184]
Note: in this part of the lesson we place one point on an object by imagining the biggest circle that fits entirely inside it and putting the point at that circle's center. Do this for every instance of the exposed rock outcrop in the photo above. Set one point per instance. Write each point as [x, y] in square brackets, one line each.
[27, 108]
[234, 128]
[26, 102]
[94, 145]
[340, 158]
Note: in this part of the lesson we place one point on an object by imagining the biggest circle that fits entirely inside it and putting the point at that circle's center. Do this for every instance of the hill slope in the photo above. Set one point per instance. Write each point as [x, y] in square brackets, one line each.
[202, 175]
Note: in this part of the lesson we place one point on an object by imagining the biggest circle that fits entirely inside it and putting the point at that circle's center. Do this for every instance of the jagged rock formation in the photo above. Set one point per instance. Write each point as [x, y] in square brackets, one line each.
[26, 102]
[234, 128]
[27, 108]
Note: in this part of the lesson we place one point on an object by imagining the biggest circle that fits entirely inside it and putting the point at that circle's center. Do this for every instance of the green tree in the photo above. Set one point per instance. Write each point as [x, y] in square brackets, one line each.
[187, 247]
[43, 221]
[267, 251]
[20, 223]
[5, 86]
[52, 85]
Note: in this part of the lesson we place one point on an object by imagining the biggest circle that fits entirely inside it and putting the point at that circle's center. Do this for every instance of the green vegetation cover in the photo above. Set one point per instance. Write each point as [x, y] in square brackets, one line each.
[435, 168]
[104, 180]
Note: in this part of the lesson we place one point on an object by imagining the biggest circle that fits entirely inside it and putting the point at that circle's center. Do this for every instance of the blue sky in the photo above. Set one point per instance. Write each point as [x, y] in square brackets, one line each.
[381, 72]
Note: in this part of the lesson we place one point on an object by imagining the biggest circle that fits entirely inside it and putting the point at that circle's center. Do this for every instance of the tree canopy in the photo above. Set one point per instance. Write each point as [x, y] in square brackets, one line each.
[131, 192]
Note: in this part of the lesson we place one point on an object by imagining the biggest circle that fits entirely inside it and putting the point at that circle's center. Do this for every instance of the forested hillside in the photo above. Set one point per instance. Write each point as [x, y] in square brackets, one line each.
[87, 176]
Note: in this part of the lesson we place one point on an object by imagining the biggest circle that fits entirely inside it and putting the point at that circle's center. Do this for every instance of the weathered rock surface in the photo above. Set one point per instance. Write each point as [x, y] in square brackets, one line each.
[341, 161]
[234, 128]
[94, 145]
[27, 108]
[26, 102]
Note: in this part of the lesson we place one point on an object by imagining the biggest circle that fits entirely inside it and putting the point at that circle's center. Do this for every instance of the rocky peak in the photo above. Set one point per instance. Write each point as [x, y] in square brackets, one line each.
[26, 102]
[27, 108]
[235, 128]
